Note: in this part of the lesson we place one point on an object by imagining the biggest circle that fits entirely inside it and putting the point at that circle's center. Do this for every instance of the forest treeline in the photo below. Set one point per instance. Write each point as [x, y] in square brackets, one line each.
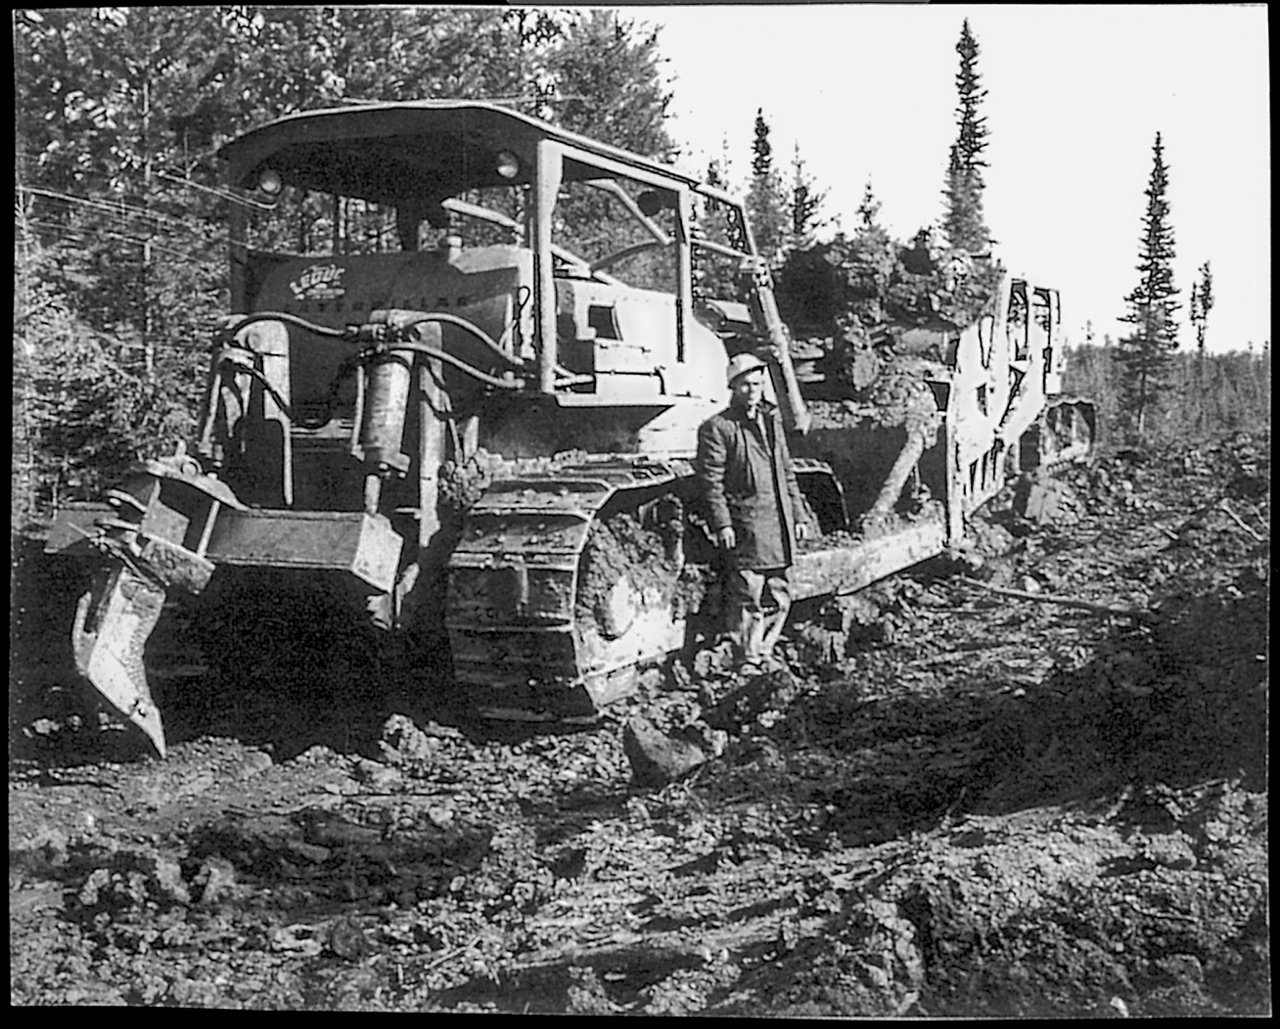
[1205, 395]
[120, 262]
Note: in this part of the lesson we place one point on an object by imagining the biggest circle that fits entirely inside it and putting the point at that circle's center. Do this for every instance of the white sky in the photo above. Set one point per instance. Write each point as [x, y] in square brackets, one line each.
[1077, 94]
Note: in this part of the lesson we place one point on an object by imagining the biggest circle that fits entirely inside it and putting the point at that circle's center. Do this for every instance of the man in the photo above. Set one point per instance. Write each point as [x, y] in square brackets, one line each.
[754, 509]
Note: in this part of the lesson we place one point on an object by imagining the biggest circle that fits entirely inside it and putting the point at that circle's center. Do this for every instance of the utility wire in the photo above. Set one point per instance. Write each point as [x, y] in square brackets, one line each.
[120, 207]
[122, 218]
[221, 193]
[86, 235]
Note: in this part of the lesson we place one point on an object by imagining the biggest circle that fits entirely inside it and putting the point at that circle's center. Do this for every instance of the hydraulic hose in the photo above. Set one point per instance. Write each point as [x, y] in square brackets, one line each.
[449, 359]
[288, 319]
[452, 319]
[306, 423]
[488, 341]
[364, 354]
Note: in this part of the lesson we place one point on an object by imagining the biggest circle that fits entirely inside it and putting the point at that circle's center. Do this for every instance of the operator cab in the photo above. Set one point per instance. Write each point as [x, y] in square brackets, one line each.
[574, 256]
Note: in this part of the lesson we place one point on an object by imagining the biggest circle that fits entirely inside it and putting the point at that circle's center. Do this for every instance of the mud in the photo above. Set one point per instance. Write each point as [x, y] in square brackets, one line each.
[973, 805]
[620, 550]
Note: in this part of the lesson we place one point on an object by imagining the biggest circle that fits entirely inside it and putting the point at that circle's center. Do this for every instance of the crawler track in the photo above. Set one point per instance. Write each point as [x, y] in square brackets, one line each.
[564, 582]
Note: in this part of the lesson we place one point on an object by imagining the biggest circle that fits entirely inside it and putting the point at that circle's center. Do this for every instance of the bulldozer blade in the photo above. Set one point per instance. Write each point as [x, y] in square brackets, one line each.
[112, 623]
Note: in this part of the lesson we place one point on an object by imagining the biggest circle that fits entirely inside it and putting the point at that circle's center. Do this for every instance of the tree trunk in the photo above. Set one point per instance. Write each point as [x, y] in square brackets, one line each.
[148, 342]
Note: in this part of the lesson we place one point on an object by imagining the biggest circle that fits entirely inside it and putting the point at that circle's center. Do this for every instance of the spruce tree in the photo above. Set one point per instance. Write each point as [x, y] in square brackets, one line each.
[1201, 305]
[1145, 354]
[806, 203]
[766, 204]
[963, 220]
[868, 208]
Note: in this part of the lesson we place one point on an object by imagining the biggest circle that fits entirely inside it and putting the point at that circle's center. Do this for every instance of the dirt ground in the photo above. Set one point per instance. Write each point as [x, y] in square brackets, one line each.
[953, 802]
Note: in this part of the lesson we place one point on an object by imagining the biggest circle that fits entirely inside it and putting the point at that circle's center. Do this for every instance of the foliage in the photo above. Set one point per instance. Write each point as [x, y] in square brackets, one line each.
[1201, 305]
[963, 221]
[715, 277]
[605, 71]
[119, 114]
[1211, 394]
[1145, 354]
[860, 293]
[766, 196]
[806, 203]
[870, 286]
[607, 84]
[74, 402]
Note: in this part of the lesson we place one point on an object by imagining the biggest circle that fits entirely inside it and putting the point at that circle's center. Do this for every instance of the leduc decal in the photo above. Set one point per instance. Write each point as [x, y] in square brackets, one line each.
[319, 282]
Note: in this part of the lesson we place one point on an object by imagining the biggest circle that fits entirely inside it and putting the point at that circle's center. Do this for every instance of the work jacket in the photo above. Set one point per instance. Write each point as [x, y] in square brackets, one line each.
[749, 483]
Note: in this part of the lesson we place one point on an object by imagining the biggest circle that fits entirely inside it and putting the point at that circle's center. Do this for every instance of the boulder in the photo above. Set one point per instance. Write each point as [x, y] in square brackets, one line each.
[658, 758]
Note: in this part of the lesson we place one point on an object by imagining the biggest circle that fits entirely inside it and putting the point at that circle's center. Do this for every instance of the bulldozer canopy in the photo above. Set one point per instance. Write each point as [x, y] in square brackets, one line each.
[419, 150]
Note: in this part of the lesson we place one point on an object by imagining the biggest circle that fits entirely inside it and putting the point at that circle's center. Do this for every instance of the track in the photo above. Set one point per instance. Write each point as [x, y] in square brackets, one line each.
[564, 582]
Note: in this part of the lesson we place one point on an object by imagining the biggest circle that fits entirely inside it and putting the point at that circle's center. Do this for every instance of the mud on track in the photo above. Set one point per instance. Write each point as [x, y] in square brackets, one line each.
[952, 802]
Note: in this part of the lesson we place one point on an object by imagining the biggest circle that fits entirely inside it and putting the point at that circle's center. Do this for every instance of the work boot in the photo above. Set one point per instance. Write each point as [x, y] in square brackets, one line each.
[749, 639]
[774, 623]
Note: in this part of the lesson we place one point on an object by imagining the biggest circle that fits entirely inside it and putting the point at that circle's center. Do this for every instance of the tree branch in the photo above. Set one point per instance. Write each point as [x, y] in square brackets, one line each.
[1049, 598]
[1223, 506]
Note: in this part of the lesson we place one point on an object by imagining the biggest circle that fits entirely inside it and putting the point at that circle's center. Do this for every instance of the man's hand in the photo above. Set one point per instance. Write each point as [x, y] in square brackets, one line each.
[726, 538]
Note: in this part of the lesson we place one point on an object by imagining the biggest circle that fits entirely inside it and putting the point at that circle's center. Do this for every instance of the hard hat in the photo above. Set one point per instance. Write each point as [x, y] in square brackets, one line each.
[740, 364]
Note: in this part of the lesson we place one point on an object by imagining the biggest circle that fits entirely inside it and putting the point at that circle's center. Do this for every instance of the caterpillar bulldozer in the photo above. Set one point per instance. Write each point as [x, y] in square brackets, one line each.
[458, 400]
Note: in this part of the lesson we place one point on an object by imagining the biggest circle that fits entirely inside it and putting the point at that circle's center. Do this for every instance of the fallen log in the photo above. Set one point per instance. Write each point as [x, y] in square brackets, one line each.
[1049, 598]
[1226, 509]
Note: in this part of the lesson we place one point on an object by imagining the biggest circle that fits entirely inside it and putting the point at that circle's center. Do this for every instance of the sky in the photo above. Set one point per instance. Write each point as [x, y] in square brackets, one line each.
[1076, 96]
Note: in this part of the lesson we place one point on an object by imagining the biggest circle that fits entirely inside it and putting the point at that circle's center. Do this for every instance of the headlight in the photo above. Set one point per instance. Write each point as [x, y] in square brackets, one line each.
[508, 165]
[269, 182]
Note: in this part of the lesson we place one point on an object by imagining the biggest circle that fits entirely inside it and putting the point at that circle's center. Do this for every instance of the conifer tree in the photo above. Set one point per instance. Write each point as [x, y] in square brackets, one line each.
[1201, 305]
[868, 208]
[1145, 354]
[806, 203]
[766, 205]
[715, 277]
[963, 219]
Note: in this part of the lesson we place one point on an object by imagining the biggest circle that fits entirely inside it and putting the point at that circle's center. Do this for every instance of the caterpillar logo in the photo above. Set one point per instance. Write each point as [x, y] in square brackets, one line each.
[319, 282]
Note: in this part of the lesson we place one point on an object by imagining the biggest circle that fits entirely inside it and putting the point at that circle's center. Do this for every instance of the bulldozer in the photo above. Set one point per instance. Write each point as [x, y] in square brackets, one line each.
[459, 396]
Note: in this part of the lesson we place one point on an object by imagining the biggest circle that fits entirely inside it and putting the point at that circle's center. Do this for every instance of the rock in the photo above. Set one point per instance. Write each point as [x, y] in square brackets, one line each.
[347, 939]
[317, 755]
[1040, 501]
[215, 880]
[656, 757]
[440, 815]
[254, 763]
[91, 889]
[165, 879]
[48, 848]
[297, 939]
[374, 773]
[717, 659]
[402, 742]
[1170, 850]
